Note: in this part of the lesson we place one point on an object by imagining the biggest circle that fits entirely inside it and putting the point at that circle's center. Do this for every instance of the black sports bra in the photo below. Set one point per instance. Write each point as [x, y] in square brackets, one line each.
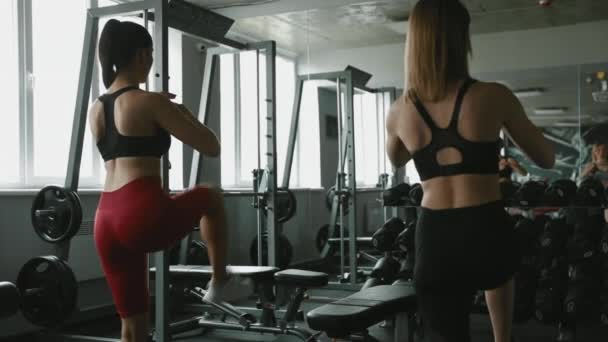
[477, 157]
[113, 145]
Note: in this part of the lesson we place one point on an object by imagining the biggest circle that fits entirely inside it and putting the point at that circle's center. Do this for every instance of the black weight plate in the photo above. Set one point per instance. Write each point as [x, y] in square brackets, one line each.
[321, 240]
[285, 251]
[48, 289]
[65, 221]
[76, 212]
[286, 205]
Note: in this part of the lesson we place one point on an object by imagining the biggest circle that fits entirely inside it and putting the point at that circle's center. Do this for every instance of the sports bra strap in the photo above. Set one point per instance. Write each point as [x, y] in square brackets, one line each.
[424, 114]
[456, 114]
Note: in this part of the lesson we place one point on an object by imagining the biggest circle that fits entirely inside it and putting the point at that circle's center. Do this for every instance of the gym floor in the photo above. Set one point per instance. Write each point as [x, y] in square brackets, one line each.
[531, 331]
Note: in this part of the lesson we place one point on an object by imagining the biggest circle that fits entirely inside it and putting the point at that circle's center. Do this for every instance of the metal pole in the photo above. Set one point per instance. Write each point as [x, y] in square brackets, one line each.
[82, 103]
[80, 116]
[351, 183]
[293, 132]
[257, 91]
[340, 173]
[146, 24]
[209, 71]
[161, 83]
[271, 147]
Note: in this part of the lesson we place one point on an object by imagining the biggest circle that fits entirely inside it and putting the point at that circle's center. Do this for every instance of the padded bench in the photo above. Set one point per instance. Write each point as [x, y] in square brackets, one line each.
[197, 272]
[294, 282]
[354, 314]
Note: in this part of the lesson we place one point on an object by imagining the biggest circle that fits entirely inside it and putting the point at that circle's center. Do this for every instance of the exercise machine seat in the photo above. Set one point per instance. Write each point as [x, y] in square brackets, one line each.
[361, 310]
[301, 278]
[197, 272]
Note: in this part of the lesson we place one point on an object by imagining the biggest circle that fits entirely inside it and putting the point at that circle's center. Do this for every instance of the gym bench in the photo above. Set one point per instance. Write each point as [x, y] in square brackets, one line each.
[291, 286]
[349, 318]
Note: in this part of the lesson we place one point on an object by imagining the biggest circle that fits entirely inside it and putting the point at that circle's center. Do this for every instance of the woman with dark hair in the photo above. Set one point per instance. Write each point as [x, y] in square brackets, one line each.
[135, 216]
[450, 125]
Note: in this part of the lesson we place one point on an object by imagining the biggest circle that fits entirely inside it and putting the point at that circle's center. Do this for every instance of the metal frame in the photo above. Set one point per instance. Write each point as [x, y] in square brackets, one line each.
[270, 184]
[160, 10]
[345, 182]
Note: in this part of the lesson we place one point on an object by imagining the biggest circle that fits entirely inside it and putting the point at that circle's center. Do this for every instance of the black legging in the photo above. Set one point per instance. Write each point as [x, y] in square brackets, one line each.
[460, 251]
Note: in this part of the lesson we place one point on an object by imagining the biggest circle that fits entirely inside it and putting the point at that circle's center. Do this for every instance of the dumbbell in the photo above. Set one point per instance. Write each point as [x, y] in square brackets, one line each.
[385, 238]
[386, 269]
[416, 194]
[603, 248]
[508, 189]
[525, 290]
[406, 239]
[548, 305]
[580, 248]
[553, 276]
[526, 232]
[406, 269]
[584, 271]
[589, 226]
[560, 193]
[604, 307]
[553, 240]
[530, 194]
[397, 195]
[590, 193]
[581, 301]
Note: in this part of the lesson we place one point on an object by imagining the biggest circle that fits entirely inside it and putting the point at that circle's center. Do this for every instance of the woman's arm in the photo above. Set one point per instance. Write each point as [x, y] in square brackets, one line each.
[522, 131]
[396, 151]
[182, 124]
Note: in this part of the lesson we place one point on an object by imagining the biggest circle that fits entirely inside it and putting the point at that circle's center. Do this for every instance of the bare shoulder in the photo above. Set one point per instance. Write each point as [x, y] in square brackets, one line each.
[96, 111]
[398, 108]
[493, 90]
[147, 102]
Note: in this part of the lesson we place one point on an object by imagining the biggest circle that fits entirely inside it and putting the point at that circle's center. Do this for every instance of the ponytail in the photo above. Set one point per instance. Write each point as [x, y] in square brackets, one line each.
[118, 45]
[107, 41]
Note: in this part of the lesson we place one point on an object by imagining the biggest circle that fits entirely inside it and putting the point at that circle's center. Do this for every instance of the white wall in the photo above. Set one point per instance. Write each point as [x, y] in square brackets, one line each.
[515, 50]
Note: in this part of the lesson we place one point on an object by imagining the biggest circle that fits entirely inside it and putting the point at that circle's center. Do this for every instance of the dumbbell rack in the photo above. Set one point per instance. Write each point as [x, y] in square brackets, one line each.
[558, 291]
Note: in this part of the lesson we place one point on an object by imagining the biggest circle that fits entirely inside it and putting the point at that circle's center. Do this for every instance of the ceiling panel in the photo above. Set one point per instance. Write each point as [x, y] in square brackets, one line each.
[561, 85]
[373, 22]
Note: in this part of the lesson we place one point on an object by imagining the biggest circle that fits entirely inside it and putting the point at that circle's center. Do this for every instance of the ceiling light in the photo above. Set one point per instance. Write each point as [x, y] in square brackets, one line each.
[550, 110]
[528, 92]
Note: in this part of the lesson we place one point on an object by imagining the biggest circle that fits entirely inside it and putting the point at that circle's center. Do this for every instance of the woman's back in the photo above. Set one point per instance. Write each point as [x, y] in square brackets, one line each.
[132, 117]
[480, 118]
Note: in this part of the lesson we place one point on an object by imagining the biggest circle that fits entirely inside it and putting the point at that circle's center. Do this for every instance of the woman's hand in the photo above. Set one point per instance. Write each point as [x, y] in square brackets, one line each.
[589, 169]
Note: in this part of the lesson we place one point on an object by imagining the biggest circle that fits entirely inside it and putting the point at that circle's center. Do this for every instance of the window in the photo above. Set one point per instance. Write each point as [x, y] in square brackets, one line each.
[239, 113]
[55, 81]
[10, 169]
[228, 119]
[366, 139]
[309, 141]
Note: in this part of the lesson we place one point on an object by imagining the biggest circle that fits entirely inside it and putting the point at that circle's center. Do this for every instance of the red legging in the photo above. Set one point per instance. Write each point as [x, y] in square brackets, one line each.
[137, 219]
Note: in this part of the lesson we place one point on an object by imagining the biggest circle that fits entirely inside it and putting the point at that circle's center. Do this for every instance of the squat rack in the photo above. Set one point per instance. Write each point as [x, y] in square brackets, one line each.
[347, 81]
[211, 28]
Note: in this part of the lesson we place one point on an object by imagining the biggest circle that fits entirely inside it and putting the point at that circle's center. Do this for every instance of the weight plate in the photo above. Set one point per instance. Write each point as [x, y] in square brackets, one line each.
[285, 251]
[286, 205]
[56, 214]
[48, 290]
